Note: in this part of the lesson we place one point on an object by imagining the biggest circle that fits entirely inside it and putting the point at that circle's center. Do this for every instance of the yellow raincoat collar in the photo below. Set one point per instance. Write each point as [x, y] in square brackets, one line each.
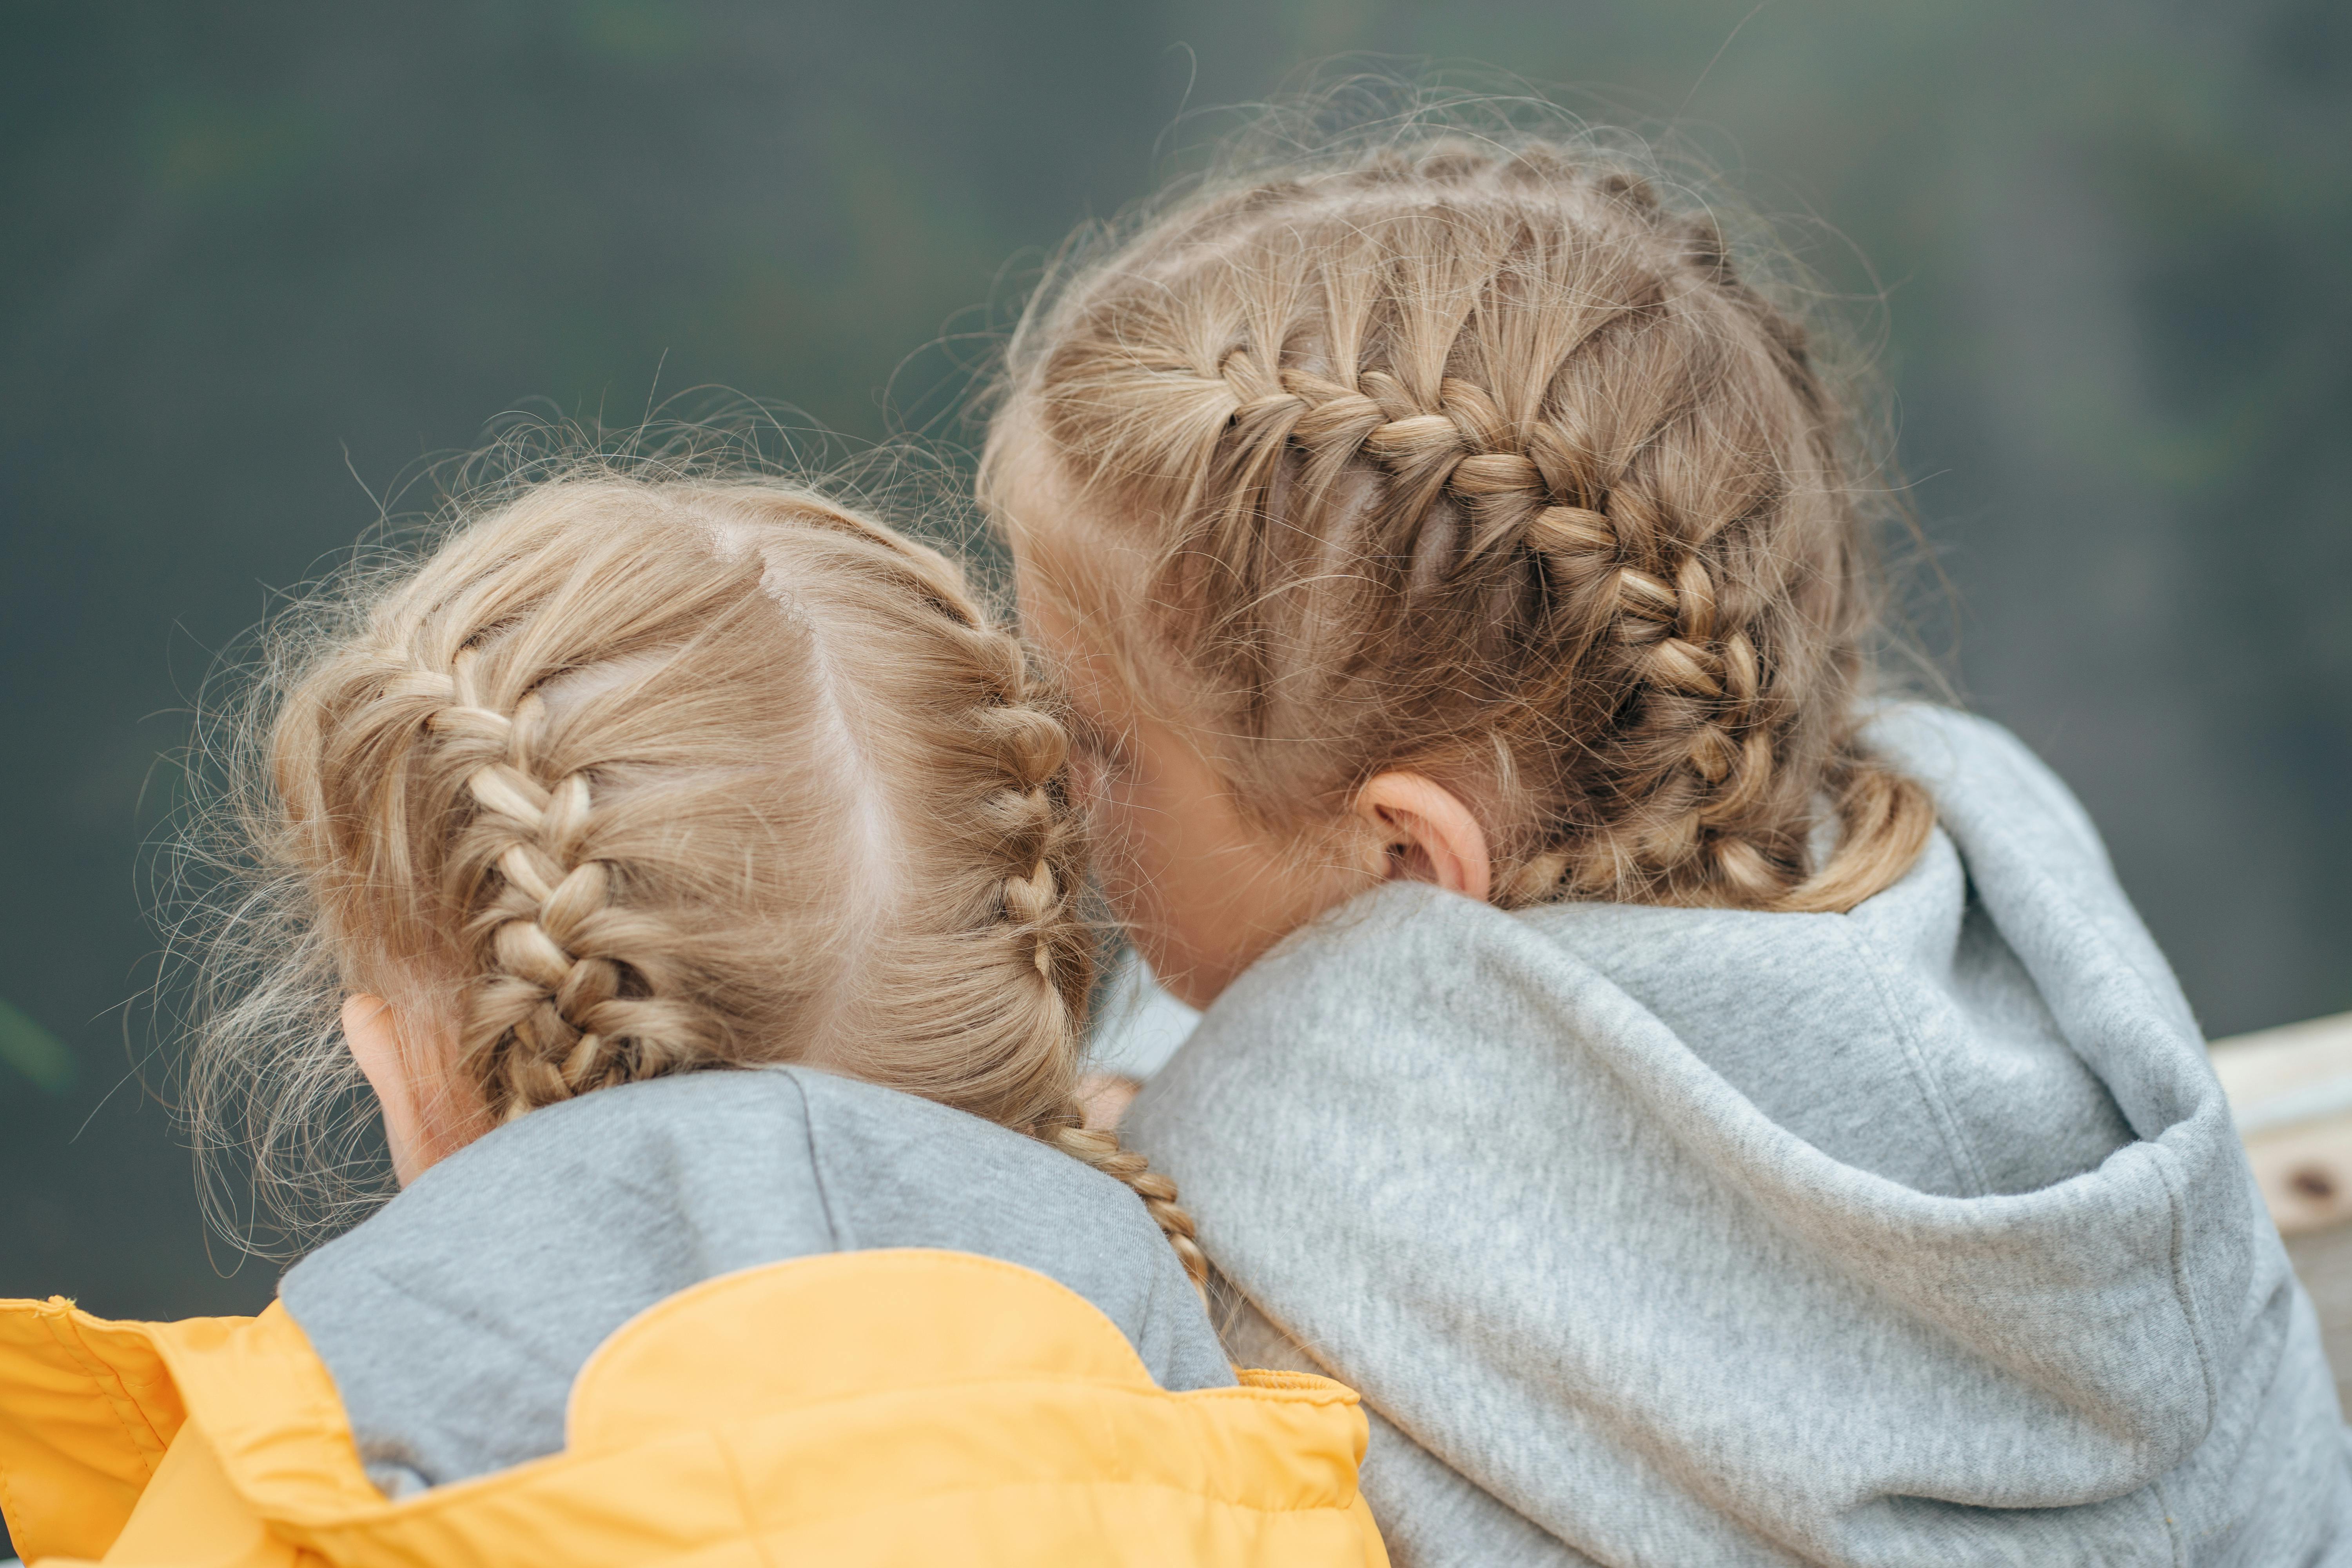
[864, 1408]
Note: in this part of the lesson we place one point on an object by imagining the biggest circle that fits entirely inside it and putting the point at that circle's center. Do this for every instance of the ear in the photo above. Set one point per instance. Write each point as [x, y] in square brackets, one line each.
[1428, 835]
[420, 1122]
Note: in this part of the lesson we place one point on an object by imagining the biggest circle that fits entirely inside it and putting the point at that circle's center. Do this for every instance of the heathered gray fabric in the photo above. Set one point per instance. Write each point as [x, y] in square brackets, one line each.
[455, 1319]
[1917, 1235]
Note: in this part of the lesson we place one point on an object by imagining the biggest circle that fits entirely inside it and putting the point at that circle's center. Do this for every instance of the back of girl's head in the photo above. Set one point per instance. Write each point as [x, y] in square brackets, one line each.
[632, 776]
[1479, 457]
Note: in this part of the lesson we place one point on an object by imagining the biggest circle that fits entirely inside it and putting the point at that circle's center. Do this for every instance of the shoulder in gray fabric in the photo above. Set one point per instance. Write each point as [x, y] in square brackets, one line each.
[1915, 1235]
[456, 1319]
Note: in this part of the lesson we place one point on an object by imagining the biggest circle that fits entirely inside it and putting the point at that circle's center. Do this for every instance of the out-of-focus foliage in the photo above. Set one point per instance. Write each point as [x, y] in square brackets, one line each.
[255, 260]
[32, 1053]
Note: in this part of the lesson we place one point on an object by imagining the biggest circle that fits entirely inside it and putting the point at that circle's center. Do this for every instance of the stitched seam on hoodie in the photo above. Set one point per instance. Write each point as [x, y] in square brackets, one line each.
[816, 1166]
[2049, 888]
[2181, 1291]
[2171, 1525]
[1931, 1089]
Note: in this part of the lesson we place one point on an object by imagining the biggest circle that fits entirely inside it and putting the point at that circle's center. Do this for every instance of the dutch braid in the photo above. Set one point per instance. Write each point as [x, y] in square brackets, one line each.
[634, 777]
[1666, 624]
[1040, 839]
[1606, 537]
[1036, 830]
[548, 1019]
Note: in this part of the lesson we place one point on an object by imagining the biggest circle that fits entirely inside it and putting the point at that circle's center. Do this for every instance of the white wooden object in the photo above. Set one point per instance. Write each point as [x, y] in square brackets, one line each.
[2290, 1091]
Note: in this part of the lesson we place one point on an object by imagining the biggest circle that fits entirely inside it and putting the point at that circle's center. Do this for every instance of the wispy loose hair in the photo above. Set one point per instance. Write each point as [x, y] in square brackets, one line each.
[637, 758]
[1443, 432]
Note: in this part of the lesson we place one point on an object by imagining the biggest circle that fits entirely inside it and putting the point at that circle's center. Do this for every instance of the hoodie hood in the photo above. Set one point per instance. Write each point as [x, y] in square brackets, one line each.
[455, 1321]
[1916, 1235]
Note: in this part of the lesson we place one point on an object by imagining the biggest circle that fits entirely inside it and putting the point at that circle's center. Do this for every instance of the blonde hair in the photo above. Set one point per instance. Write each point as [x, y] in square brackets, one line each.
[636, 776]
[1480, 458]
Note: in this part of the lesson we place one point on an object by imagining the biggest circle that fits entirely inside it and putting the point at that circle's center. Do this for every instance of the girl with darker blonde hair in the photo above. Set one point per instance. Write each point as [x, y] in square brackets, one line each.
[1714, 1113]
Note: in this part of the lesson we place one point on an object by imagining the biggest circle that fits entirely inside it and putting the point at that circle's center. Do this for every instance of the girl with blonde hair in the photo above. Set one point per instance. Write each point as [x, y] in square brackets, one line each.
[1711, 1116]
[688, 866]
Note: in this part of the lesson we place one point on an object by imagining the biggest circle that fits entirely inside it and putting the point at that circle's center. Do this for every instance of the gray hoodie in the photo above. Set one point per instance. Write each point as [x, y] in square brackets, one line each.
[455, 1319]
[1662, 1236]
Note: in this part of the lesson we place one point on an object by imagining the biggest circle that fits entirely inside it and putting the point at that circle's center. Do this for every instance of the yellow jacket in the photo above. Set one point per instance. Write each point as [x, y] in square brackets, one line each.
[854, 1408]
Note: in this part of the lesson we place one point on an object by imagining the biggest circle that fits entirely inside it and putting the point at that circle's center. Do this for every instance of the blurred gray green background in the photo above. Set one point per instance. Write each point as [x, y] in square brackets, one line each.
[255, 259]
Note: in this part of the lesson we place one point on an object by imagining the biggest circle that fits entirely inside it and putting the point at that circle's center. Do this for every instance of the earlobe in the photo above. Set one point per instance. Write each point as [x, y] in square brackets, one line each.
[1427, 833]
